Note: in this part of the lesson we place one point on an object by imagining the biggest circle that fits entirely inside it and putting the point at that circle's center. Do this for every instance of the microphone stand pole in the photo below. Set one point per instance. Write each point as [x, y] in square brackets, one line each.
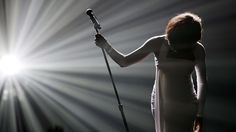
[120, 106]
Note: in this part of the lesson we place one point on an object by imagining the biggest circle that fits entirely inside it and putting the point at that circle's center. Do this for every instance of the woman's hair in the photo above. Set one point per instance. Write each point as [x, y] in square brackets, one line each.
[185, 27]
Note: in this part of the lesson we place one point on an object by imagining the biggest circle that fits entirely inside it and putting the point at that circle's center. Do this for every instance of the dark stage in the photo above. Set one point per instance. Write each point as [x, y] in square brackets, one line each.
[62, 82]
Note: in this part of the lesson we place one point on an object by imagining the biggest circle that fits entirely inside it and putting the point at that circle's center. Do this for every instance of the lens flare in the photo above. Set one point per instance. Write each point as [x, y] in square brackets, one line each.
[10, 65]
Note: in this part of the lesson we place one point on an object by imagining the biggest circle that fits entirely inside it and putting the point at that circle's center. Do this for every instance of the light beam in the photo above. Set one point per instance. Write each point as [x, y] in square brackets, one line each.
[10, 65]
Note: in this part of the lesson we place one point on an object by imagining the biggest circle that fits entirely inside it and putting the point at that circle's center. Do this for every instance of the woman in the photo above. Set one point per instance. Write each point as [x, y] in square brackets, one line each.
[175, 104]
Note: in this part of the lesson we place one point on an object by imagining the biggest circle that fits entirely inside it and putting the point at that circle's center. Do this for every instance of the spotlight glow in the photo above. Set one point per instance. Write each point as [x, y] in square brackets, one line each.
[10, 65]
[54, 74]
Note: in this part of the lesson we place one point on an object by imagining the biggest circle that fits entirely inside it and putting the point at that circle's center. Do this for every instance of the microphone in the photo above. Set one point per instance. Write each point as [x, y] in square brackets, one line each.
[97, 26]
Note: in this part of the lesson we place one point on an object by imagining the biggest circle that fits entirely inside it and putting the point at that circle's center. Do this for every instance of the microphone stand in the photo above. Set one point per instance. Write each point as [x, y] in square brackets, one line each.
[97, 26]
[120, 106]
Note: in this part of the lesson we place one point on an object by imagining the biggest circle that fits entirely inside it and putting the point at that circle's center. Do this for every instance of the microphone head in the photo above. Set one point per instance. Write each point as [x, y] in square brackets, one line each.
[89, 12]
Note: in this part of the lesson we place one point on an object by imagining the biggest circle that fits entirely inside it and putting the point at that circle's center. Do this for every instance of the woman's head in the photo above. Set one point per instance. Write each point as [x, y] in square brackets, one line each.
[184, 28]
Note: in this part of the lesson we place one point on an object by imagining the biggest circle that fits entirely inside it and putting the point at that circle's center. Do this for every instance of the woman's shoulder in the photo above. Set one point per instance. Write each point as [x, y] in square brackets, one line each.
[199, 47]
[199, 50]
[157, 41]
[158, 38]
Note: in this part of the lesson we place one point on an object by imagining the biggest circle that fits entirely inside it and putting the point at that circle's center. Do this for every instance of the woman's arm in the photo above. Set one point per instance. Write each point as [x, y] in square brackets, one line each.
[200, 69]
[125, 60]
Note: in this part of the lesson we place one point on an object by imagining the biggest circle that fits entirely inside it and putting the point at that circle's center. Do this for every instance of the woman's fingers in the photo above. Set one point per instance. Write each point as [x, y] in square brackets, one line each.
[100, 40]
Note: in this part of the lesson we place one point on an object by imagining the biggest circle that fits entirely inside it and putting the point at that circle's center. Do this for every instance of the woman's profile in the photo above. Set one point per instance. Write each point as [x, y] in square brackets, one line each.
[176, 105]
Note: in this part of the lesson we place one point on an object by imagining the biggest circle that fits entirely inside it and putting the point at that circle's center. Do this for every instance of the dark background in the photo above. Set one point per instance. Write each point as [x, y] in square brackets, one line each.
[67, 83]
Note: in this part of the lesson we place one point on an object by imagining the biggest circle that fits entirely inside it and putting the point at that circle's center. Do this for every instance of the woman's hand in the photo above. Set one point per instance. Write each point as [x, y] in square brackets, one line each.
[197, 126]
[100, 41]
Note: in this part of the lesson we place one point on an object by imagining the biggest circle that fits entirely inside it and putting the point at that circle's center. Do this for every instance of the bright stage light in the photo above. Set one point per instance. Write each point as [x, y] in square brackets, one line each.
[10, 65]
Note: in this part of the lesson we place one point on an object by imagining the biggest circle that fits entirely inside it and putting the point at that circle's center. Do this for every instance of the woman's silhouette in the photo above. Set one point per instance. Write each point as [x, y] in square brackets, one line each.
[176, 106]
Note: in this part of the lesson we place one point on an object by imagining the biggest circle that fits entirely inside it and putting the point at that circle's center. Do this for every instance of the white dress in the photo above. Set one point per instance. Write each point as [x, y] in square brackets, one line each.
[174, 101]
